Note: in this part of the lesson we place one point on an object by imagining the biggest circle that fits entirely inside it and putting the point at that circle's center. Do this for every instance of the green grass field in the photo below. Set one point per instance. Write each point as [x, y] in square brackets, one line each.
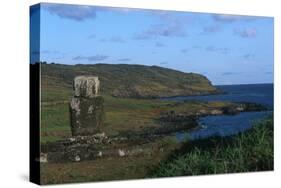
[120, 115]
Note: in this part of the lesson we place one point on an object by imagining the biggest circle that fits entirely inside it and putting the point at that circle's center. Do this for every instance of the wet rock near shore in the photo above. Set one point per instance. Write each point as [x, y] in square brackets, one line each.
[172, 116]
[243, 107]
[254, 107]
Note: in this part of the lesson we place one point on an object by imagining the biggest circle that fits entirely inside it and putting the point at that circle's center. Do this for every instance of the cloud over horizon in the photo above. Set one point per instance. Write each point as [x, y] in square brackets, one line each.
[91, 58]
[173, 29]
[227, 18]
[230, 73]
[184, 50]
[248, 56]
[245, 33]
[124, 59]
[113, 39]
[73, 12]
[159, 44]
[216, 49]
[211, 29]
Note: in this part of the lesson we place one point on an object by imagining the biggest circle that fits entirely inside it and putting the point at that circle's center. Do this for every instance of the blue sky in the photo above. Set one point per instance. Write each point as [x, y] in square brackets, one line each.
[227, 49]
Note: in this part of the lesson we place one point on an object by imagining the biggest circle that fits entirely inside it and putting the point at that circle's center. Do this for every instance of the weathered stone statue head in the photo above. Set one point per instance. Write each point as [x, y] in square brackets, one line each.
[86, 86]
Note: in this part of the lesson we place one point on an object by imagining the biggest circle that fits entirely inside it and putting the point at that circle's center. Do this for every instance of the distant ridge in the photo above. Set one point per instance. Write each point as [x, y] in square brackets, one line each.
[128, 81]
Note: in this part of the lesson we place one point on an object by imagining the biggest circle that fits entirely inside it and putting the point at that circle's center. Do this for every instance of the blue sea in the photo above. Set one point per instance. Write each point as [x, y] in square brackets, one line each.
[225, 125]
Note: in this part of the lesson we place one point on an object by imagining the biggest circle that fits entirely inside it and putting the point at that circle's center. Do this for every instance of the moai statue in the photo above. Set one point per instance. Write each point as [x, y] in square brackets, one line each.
[86, 107]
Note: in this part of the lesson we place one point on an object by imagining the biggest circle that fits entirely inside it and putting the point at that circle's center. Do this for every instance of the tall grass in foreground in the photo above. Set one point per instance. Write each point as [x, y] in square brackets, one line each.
[249, 151]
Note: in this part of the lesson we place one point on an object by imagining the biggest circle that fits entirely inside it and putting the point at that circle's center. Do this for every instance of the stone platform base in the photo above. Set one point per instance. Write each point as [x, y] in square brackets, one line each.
[83, 148]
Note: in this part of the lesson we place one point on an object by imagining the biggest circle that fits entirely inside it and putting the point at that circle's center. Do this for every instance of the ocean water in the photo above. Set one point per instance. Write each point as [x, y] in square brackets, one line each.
[225, 125]
[257, 93]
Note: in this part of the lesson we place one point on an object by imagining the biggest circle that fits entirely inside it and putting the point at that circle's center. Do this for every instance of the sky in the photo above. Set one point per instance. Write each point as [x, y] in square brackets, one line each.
[227, 49]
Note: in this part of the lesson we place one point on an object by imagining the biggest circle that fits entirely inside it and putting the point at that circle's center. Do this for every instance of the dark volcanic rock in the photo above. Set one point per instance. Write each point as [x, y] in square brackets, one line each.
[87, 115]
[81, 148]
[243, 107]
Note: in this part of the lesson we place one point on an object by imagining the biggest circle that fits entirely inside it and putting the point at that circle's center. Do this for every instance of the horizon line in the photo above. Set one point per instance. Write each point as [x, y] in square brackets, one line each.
[53, 63]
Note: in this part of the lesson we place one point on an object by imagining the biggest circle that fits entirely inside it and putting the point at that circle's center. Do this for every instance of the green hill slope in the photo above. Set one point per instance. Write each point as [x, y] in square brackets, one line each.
[123, 80]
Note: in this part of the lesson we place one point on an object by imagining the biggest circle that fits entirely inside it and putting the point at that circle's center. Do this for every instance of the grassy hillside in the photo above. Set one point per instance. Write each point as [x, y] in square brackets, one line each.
[122, 80]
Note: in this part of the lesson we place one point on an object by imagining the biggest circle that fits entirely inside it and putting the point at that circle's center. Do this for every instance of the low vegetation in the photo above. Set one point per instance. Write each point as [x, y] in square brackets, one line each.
[249, 151]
